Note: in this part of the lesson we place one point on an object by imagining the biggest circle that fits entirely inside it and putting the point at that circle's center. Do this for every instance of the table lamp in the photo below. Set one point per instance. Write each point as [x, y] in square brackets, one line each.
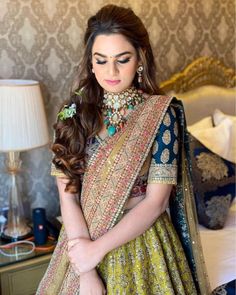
[23, 126]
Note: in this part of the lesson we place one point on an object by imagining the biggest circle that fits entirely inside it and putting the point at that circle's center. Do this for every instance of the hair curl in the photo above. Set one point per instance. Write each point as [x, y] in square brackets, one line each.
[72, 134]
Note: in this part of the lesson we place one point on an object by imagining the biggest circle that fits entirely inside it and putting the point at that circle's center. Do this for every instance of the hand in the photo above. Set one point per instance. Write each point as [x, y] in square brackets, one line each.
[83, 254]
[91, 284]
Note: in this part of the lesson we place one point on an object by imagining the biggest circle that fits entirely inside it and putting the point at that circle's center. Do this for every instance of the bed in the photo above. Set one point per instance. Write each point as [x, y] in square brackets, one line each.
[206, 86]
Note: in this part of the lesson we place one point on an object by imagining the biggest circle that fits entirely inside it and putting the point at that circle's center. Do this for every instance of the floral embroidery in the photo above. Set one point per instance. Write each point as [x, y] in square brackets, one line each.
[221, 290]
[174, 162]
[176, 147]
[175, 129]
[167, 120]
[173, 112]
[137, 275]
[212, 166]
[165, 155]
[217, 209]
[155, 147]
[162, 173]
[166, 137]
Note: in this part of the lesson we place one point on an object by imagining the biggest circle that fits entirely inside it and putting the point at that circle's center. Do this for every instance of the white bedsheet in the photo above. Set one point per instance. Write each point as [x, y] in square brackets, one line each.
[219, 248]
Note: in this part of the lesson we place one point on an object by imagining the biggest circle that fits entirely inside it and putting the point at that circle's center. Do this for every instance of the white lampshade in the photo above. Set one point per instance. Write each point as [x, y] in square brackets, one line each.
[23, 123]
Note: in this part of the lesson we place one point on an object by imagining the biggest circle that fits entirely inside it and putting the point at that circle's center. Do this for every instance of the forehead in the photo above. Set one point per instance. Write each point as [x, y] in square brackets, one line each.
[110, 45]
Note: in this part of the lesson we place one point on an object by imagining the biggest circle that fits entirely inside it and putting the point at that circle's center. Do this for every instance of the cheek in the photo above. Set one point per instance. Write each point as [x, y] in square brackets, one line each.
[131, 71]
[98, 72]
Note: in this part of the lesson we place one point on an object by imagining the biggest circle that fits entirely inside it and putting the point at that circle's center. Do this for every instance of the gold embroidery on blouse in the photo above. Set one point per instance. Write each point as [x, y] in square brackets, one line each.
[166, 137]
[165, 155]
[167, 120]
[173, 112]
[175, 129]
[174, 162]
[176, 147]
[162, 173]
[155, 147]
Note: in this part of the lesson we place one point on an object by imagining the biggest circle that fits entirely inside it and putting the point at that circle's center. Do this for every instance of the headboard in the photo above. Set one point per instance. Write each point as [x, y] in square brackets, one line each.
[203, 86]
[202, 71]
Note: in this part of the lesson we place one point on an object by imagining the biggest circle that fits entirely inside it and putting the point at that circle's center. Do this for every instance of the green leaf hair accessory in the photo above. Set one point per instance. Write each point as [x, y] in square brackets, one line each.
[79, 92]
[67, 112]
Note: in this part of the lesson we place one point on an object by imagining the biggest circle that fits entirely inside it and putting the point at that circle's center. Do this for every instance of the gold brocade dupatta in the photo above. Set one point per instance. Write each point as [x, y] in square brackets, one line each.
[113, 169]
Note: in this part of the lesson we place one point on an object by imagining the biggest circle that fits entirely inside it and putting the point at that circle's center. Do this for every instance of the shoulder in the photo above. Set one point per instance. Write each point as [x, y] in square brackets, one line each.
[167, 99]
[167, 103]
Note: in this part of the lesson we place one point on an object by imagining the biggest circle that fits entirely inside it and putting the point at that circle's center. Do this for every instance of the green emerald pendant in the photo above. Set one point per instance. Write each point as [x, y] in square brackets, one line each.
[111, 130]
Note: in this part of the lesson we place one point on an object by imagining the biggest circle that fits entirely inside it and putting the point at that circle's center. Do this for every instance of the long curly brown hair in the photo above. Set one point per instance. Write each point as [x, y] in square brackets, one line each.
[72, 134]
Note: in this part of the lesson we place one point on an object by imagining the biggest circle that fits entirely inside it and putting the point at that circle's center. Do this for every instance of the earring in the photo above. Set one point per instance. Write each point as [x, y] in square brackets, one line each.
[140, 71]
[92, 70]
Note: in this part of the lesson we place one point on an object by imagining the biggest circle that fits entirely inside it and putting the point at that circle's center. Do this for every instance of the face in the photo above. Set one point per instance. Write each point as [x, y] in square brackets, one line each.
[114, 62]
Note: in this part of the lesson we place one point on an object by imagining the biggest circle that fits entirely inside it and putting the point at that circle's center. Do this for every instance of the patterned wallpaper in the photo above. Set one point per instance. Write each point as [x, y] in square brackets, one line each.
[42, 40]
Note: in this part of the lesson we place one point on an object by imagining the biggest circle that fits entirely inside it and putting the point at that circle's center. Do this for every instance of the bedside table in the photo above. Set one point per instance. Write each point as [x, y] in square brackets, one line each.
[22, 276]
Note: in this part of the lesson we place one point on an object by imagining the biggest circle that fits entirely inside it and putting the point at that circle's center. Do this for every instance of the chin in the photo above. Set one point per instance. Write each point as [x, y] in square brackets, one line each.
[115, 88]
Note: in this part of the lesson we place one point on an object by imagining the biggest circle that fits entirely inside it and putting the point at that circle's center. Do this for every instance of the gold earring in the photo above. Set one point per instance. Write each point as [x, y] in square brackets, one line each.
[140, 71]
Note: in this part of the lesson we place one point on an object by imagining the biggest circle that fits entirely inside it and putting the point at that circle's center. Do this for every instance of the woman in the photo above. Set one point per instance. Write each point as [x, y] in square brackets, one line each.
[118, 160]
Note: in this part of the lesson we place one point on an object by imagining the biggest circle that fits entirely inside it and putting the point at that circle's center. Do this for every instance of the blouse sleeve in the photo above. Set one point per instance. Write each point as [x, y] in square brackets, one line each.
[163, 167]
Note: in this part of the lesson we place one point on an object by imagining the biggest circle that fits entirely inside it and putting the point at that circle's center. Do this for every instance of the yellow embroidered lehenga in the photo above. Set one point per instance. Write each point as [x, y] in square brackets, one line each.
[166, 259]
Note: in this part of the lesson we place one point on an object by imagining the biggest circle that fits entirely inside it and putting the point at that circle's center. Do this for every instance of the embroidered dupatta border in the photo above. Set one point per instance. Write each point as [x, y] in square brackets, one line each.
[113, 168]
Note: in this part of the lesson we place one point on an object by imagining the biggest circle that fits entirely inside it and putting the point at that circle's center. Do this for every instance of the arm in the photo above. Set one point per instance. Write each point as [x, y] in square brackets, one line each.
[75, 226]
[72, 215]
[137, 220]
[133, 224]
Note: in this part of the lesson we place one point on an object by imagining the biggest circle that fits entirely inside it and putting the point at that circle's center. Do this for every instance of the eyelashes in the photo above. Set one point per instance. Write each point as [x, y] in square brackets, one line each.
[99, 62]
[124, 61]
[120, 61]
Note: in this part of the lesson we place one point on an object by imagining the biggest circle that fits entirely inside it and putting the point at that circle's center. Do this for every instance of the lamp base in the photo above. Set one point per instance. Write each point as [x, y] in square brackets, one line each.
[6, 237]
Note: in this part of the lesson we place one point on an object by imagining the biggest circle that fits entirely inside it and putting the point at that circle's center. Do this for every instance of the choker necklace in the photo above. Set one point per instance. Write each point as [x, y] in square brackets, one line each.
[115, 105]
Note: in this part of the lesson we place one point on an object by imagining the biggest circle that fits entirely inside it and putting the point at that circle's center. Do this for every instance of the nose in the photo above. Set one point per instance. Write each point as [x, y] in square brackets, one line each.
[112, 69]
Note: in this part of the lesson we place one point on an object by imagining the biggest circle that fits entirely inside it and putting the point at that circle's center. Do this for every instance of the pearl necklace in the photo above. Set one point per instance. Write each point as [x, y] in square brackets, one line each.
[115, 105]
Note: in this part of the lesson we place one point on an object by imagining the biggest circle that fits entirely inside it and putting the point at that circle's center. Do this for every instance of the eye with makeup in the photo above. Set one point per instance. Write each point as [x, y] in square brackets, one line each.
[123, 61]
[120, 61]
[100, 62]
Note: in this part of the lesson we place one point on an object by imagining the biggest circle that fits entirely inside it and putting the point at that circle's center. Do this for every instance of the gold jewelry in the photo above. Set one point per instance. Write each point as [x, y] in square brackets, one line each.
[140, 71]
[115, 106]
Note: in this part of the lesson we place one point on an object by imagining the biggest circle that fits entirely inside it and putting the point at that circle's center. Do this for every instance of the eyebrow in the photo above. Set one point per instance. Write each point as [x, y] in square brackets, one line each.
[117, 55]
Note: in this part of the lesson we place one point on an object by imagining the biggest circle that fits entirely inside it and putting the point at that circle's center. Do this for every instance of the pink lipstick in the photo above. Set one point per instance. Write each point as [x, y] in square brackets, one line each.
[112, 82]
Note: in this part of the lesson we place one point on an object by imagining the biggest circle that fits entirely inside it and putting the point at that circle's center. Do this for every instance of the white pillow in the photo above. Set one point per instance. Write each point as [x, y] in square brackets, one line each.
[219, 116]
[220, 139]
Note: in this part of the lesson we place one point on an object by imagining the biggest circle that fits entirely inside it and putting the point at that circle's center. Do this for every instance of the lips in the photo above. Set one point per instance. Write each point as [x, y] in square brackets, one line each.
[112, 82]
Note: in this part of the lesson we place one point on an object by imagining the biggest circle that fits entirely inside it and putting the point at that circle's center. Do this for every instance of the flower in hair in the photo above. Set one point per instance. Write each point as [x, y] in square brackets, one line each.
[67, 111]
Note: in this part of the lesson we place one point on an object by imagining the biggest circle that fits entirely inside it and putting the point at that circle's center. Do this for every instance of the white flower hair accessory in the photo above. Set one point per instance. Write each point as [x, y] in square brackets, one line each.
[68, 111]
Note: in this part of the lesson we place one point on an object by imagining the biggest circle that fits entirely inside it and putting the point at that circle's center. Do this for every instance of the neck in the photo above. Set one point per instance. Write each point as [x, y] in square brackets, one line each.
[115, 106]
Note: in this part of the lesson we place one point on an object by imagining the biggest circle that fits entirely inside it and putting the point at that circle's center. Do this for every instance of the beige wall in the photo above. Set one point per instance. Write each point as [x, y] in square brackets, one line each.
[42, 40]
